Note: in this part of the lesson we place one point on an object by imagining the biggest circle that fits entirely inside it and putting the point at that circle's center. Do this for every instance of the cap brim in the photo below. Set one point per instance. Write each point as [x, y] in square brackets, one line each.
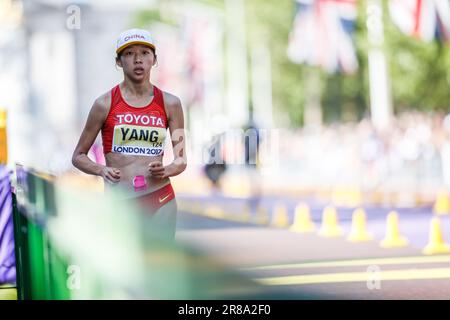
[121, 48]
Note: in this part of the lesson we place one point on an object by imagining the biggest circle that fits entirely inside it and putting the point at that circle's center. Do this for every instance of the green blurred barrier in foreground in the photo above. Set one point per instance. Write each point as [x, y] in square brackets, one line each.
[75, 244]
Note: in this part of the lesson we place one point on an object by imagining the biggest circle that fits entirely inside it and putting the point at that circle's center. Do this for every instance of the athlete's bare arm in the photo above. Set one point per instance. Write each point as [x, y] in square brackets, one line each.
[94, 123]
[175, 117]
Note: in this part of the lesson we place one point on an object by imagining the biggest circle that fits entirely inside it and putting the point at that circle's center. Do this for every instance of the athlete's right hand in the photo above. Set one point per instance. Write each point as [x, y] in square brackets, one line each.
[111, 175]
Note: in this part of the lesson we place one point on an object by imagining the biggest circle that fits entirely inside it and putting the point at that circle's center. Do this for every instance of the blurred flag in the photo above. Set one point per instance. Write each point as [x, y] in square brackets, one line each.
[424, 19]
[322, 35]
[7, 257]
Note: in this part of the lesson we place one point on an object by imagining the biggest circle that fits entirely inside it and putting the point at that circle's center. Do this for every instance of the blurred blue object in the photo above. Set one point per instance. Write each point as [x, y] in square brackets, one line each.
[7, 257]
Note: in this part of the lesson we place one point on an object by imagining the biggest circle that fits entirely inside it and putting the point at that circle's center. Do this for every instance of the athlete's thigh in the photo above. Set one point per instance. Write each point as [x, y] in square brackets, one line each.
[165, 219]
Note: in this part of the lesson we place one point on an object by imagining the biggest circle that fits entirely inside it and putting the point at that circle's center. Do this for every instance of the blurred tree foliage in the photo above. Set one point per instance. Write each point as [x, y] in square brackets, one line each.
[343, 97]
[272, 21]
[419, 72]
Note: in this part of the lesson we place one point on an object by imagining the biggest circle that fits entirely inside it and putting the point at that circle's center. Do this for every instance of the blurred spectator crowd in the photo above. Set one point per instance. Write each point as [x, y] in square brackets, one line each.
[412, 153]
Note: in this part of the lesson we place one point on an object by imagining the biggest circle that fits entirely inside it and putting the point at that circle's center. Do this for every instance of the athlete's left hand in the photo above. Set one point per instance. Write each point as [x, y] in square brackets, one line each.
[157, 170]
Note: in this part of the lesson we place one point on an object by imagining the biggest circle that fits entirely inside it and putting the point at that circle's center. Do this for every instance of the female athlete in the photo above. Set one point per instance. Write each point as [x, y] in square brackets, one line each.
[133, 119]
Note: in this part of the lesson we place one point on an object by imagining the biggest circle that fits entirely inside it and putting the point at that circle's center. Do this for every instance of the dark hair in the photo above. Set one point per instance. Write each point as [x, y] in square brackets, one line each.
[121, 52]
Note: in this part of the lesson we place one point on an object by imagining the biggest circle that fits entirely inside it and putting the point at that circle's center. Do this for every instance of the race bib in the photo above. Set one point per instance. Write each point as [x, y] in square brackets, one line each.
[138, 140]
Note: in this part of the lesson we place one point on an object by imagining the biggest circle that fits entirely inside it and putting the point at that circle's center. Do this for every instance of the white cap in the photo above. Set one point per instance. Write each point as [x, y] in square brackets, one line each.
[134, 36]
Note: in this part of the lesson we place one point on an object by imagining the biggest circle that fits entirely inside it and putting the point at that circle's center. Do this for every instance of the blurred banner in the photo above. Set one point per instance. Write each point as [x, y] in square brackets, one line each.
[7, 257]
[3, 138]
[424, 19]
[322, 35]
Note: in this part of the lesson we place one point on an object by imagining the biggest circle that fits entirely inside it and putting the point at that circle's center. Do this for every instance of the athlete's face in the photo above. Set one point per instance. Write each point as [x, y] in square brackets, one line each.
[137, 61]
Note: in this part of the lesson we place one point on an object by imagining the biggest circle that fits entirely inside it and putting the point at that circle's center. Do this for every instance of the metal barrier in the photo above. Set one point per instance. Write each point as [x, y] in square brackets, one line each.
[40, 269]
[74, 244]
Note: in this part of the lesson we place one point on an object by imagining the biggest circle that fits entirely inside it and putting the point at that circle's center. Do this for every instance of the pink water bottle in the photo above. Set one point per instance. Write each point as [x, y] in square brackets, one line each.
[139, 183]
